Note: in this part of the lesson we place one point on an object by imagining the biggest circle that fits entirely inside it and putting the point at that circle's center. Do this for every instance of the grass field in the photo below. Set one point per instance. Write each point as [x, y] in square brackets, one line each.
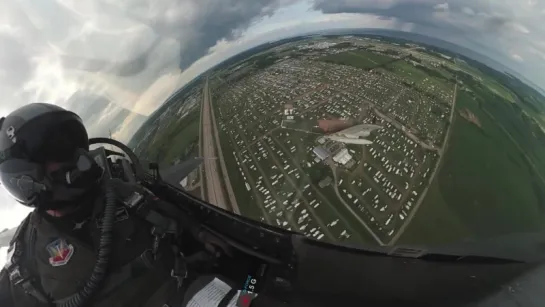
[444, 72]
[485, 187]
[498, 89]
[523, 132]
[358, 58]
[486, 181]
[468, 69]
[435, 222]
[179, 140]
[490, 83]
[419, 77]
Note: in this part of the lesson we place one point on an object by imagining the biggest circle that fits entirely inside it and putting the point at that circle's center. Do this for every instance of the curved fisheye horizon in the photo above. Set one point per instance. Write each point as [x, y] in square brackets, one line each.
[126, 88]
[393, 155]
[101, 87]
[406, 127]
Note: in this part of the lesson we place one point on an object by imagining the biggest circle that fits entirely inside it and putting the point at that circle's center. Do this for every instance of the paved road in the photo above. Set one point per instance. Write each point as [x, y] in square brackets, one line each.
[201, 167]
[227, 183]
[214, 191]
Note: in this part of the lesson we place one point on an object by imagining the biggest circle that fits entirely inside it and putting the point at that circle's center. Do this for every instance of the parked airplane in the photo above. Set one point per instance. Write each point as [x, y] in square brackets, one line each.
[354, 135]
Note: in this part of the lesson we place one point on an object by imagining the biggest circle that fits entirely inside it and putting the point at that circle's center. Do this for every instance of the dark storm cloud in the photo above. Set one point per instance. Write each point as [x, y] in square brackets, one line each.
[433, 13]
[221, 20]
[197, 24]
[419, 13]
[412, 10]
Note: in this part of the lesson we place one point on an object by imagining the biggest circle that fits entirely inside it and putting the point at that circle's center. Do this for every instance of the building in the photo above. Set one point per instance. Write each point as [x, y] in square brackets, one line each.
[325, 182]
[289, 112]
[342, 157]
[321, 153]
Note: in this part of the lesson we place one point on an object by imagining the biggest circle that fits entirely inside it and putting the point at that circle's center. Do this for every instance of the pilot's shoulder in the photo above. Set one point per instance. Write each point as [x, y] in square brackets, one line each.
[22, 227]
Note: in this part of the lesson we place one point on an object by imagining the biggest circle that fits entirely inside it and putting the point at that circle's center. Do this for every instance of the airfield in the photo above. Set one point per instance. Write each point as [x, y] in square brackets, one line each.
[454, 152]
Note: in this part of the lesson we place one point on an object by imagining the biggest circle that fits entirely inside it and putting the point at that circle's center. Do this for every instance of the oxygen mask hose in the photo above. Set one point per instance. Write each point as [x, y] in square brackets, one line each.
[96, 281]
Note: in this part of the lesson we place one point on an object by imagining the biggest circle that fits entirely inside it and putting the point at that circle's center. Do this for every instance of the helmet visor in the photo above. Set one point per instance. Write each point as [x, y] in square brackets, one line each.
[22, 179]
[58, 147]
[47, 138]
[57, 144]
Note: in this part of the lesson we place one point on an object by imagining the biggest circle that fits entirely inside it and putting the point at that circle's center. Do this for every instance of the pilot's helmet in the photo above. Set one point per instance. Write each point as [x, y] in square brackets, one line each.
[32, 138]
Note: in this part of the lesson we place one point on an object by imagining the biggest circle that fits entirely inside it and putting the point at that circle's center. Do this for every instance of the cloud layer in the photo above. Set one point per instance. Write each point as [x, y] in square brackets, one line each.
[133, 51]
[118, 49]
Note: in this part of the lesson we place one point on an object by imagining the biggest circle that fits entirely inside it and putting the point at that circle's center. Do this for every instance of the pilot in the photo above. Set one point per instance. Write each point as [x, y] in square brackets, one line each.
[56, 257]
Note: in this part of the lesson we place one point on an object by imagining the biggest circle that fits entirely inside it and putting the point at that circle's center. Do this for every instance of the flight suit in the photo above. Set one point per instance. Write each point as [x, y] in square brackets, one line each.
[61, 260]
[59, 256]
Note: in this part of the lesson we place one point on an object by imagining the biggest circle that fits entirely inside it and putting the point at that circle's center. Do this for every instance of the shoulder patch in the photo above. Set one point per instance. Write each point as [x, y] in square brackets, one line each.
[60, 252]
[17, 236]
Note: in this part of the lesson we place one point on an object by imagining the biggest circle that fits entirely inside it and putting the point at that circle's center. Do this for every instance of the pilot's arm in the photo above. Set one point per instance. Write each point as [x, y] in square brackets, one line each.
[6, 299]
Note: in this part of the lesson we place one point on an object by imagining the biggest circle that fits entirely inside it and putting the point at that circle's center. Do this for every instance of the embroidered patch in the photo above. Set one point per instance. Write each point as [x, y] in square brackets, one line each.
[60, 252]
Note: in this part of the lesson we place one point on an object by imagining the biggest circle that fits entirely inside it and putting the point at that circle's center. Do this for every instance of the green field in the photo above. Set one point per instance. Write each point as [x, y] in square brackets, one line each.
[408, 71]
[178, 140]
[435, 222]
[522, 131]
[485, 187]
[446, 74]
[358, 58]
[418, 77]
[490, 83]
[499, 89]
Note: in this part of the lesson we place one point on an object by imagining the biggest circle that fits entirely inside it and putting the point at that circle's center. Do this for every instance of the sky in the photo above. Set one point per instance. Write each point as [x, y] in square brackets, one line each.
[136, 53]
